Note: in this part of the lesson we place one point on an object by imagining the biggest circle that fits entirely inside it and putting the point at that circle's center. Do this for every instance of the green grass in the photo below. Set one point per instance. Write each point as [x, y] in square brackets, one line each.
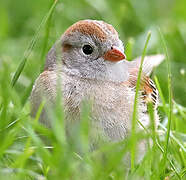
[135, 112]
[26, 155]
[170, 104]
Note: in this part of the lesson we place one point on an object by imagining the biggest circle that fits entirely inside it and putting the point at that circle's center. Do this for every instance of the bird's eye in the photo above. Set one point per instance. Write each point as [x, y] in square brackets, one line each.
[87, 49]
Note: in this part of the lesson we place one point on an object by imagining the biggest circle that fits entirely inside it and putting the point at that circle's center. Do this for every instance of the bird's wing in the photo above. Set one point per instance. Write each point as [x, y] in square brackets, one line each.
[148, 90]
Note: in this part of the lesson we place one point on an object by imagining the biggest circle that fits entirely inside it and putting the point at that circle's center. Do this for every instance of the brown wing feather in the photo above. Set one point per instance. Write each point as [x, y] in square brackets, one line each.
[147, 87]
[149, 91]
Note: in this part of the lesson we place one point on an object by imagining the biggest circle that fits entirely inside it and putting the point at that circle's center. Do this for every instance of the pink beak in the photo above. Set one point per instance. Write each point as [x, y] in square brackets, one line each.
[114, 55]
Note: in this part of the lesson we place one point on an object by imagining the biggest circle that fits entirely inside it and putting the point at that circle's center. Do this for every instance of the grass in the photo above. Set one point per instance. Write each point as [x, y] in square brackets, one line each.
[135, 113]
[33, 42]
[26, 155]
[170, 103]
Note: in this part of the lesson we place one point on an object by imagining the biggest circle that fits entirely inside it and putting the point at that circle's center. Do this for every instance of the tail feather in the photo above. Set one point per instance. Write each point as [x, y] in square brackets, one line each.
[149, 63]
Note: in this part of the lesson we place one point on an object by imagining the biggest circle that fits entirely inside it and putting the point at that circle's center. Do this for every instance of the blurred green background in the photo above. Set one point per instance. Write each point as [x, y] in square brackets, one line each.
[19, 20]
[25, 30]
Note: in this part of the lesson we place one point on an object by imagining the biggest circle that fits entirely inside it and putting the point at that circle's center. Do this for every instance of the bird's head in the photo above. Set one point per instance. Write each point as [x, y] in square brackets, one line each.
[91, 49]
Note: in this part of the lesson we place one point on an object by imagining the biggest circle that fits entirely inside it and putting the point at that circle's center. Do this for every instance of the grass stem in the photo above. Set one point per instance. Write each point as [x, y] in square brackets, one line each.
[134, 115]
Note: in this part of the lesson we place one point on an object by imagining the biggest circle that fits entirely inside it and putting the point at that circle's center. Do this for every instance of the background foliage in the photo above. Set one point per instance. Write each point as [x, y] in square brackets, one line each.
[19, 22]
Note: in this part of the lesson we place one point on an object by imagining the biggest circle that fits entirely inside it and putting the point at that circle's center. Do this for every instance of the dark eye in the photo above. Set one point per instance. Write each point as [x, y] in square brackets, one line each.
[87, 49]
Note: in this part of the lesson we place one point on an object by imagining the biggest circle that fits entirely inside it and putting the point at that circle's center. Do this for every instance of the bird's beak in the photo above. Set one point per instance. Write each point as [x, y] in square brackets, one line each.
[114, 55]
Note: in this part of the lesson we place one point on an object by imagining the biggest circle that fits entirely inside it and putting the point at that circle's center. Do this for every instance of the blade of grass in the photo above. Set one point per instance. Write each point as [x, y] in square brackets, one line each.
[22, 159]
[161, 95]
[134, 115]
[161, 149]
[170, 161]
[31, 45]
[40, 109]
[153, 126]
[43, 152]
[170, 102]
[27, 93]
[174, 138]
[47, 32]
[16, 171]
[166, 110]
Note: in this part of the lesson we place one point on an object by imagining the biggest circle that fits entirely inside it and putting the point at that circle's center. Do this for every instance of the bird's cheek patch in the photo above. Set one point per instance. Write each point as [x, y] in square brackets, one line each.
[66, 47]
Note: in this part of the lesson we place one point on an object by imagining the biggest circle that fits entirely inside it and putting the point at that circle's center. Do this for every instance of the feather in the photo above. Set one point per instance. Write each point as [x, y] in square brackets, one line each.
[148, 90]
[149, 63]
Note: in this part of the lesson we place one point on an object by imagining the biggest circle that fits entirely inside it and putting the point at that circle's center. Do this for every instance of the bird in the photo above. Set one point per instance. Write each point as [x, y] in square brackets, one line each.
[89, 62]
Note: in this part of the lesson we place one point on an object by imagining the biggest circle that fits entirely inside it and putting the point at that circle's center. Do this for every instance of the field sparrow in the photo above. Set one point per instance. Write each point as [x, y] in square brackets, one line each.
[90, 63]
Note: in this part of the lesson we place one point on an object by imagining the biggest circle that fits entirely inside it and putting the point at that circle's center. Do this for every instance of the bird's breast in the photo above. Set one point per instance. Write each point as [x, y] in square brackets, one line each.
[111, 105]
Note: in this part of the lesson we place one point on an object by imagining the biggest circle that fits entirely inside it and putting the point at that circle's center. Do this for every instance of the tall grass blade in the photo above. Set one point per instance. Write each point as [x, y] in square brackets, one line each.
[161, 149]
[161, 95]
[152, 119]
[31, 45]
[134, 115]
[27, 93]
[46, 36]
[170, 102]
